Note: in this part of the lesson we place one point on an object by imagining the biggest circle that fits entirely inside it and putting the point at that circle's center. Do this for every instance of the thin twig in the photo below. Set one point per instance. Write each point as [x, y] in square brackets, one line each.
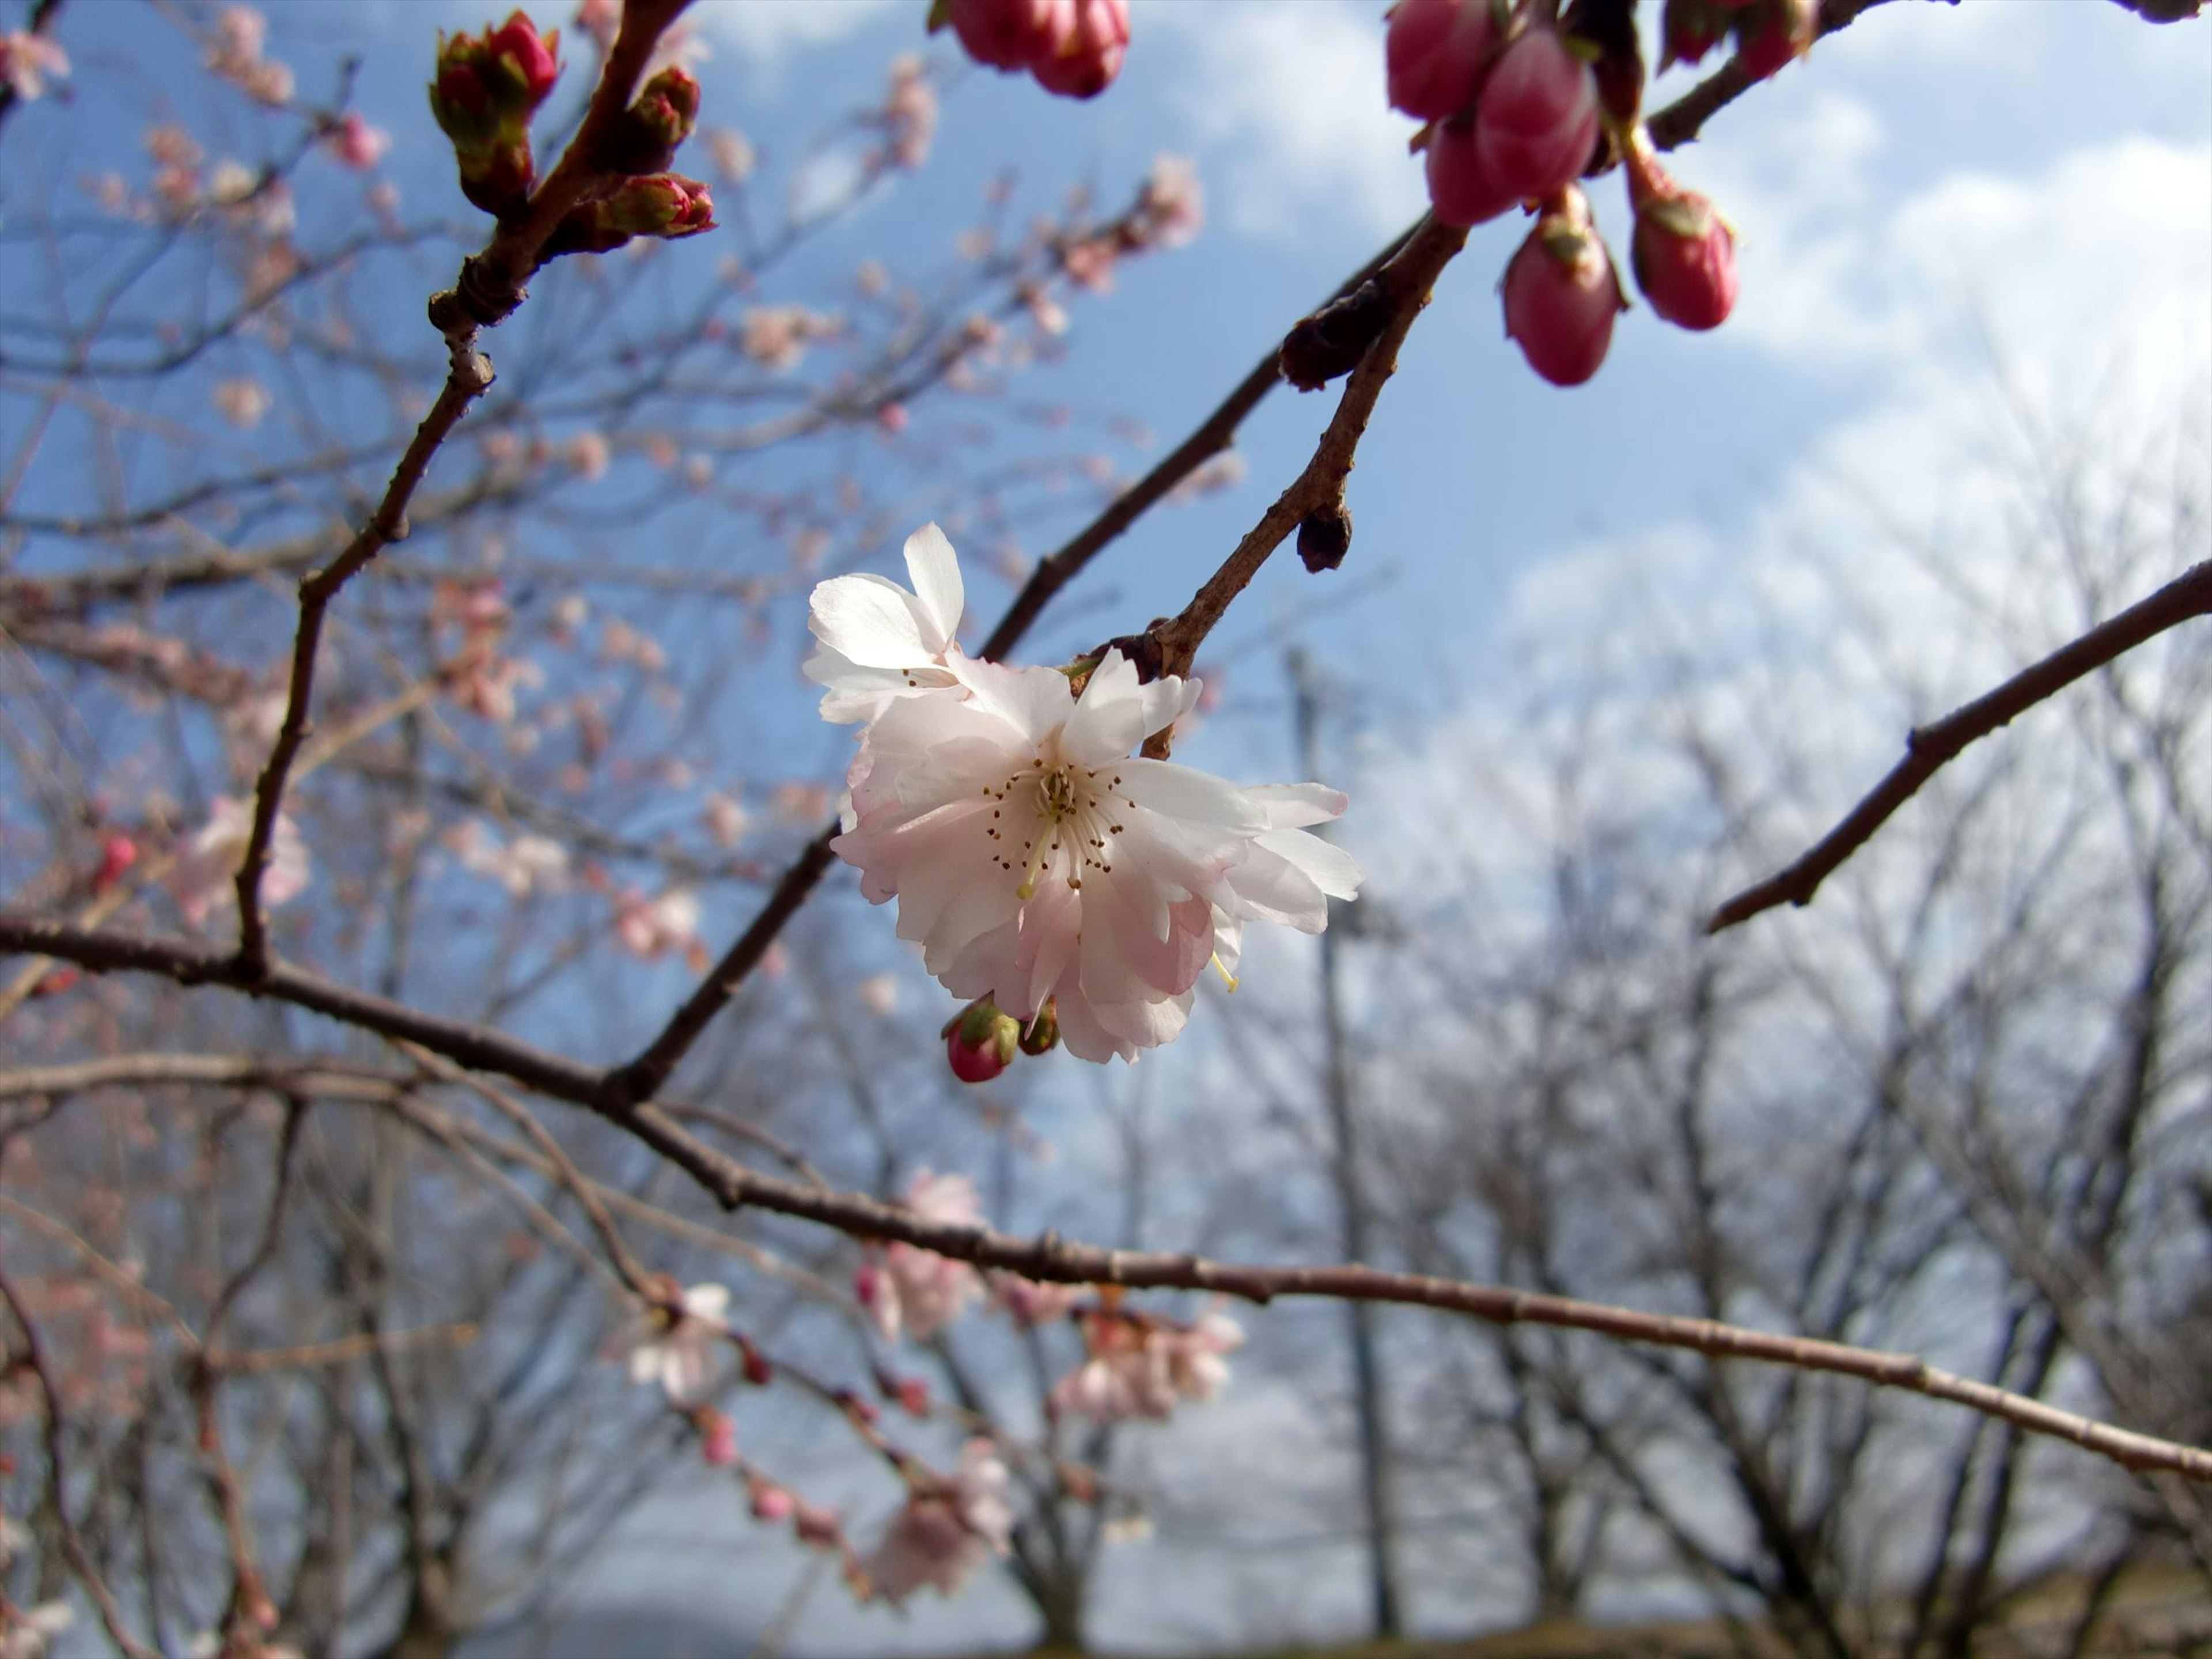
[1929, 749]
[80, 1559]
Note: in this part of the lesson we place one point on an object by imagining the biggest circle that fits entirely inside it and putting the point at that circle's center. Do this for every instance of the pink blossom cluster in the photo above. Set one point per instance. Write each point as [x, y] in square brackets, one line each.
[1141, 1365]
[947, 1528]
[1073, 48]
[909, 113]
[906, 1289]
[776, 337]
[235, 52]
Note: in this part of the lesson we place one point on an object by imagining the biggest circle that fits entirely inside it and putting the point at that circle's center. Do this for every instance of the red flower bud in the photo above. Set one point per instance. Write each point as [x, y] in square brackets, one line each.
[1435, 53]
[1688, 29]
[1462, 192]
[1042, 1034]
[1088, 56]
[1684, 257]
[980, 1041]
[1561, 294]
[1774, 33]
[526, 55]
[1537, 123]
[117, 855]
[756, 1368]
[1010, 34]
[913, 1394]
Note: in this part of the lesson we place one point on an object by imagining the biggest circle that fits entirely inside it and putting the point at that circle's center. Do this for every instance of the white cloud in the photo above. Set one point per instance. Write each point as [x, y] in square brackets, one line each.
[1287, 105]
[2114, 233]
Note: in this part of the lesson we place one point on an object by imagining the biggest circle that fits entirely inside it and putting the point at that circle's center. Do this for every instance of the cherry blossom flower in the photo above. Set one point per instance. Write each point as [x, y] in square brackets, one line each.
[1030, 1302]
[1141, 1367]
[209, 862]
[880, 994]
[525, 865]
[652, 927]
[946, 1529]
[731, 151]
[587, 455]
[727, 821]
[915, 1290]
[28, 61]
[1031, 858]
[909, 114]
[601, 20]
[1172, 211]
[241, 402]
[356, 144]
[674, 1346]
[27, 1635]
[878, 641]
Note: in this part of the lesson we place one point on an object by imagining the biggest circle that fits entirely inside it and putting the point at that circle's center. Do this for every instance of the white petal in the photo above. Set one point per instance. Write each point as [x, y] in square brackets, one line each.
[1325, 865]
[1183, 791]
[1109, 719]
[869, 621]
[1292, 805]
[936, 572]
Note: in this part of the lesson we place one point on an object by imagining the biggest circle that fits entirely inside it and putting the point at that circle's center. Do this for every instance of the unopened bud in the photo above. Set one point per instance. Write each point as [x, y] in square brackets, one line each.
[758, 1370]
[1088, 54]
[1561, 294]
[1435, 53]
[1537, 125]
[645, 137]
[666, 205]
[769, 1501]
[526, 61]
[1333, 339]
[117, 855]
[1042, 1034]
[1773, 34]
[718, 1436]
[980, 1041]
[1684, 257]
[1325, 535]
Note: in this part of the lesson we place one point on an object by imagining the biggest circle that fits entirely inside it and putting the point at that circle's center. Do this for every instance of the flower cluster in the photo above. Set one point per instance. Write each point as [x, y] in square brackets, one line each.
[917, 1291]
[1516, 113]
[28, 61]
[207, 865]
[1073, 47]
[946, 1529]
[1034, 859]
[487, 89]
[1139, 1365]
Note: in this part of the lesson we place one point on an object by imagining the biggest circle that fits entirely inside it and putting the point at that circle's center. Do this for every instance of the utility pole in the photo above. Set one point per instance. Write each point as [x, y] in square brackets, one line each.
[1375, 1481]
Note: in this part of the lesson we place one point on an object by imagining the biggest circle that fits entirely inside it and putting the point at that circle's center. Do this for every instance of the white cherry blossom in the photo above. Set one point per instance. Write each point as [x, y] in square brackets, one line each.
[878, 641]
[208, 864]
[675, 1349]
[1032, 857]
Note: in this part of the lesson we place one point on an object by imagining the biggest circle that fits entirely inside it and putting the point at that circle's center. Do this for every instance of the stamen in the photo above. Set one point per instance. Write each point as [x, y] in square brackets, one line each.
[1221, 968]
[1028, 889]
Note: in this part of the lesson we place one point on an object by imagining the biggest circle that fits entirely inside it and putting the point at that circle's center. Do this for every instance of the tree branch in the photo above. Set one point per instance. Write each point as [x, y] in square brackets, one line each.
[1929, 749]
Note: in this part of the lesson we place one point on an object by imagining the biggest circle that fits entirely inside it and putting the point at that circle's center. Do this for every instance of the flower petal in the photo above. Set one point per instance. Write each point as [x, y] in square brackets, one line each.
[869, 621]
[937, 587]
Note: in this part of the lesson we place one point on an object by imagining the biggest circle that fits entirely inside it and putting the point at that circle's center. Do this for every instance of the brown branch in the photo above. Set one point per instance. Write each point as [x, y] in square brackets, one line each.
[1929, 749]
[488, 290]
[1050, 1257]
[1406, 282]
[256, 1362]
[1682, 122]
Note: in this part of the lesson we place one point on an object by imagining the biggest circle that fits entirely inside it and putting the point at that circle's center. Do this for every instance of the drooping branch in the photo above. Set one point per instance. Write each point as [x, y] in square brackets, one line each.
[1929, 749]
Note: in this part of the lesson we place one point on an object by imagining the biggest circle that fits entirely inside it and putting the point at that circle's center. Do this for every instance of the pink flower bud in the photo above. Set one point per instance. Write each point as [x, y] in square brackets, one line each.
[1537, 123]
[1561, 294]
[718, 1436]
[1010, 34]
[1683, 256]
[913, 1396]
[117, 855]
[1774, 34]
[770, 1501]
[526, 55]
[355, 143]
[1462, 192]
[1435, 53]
[1089, 55]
